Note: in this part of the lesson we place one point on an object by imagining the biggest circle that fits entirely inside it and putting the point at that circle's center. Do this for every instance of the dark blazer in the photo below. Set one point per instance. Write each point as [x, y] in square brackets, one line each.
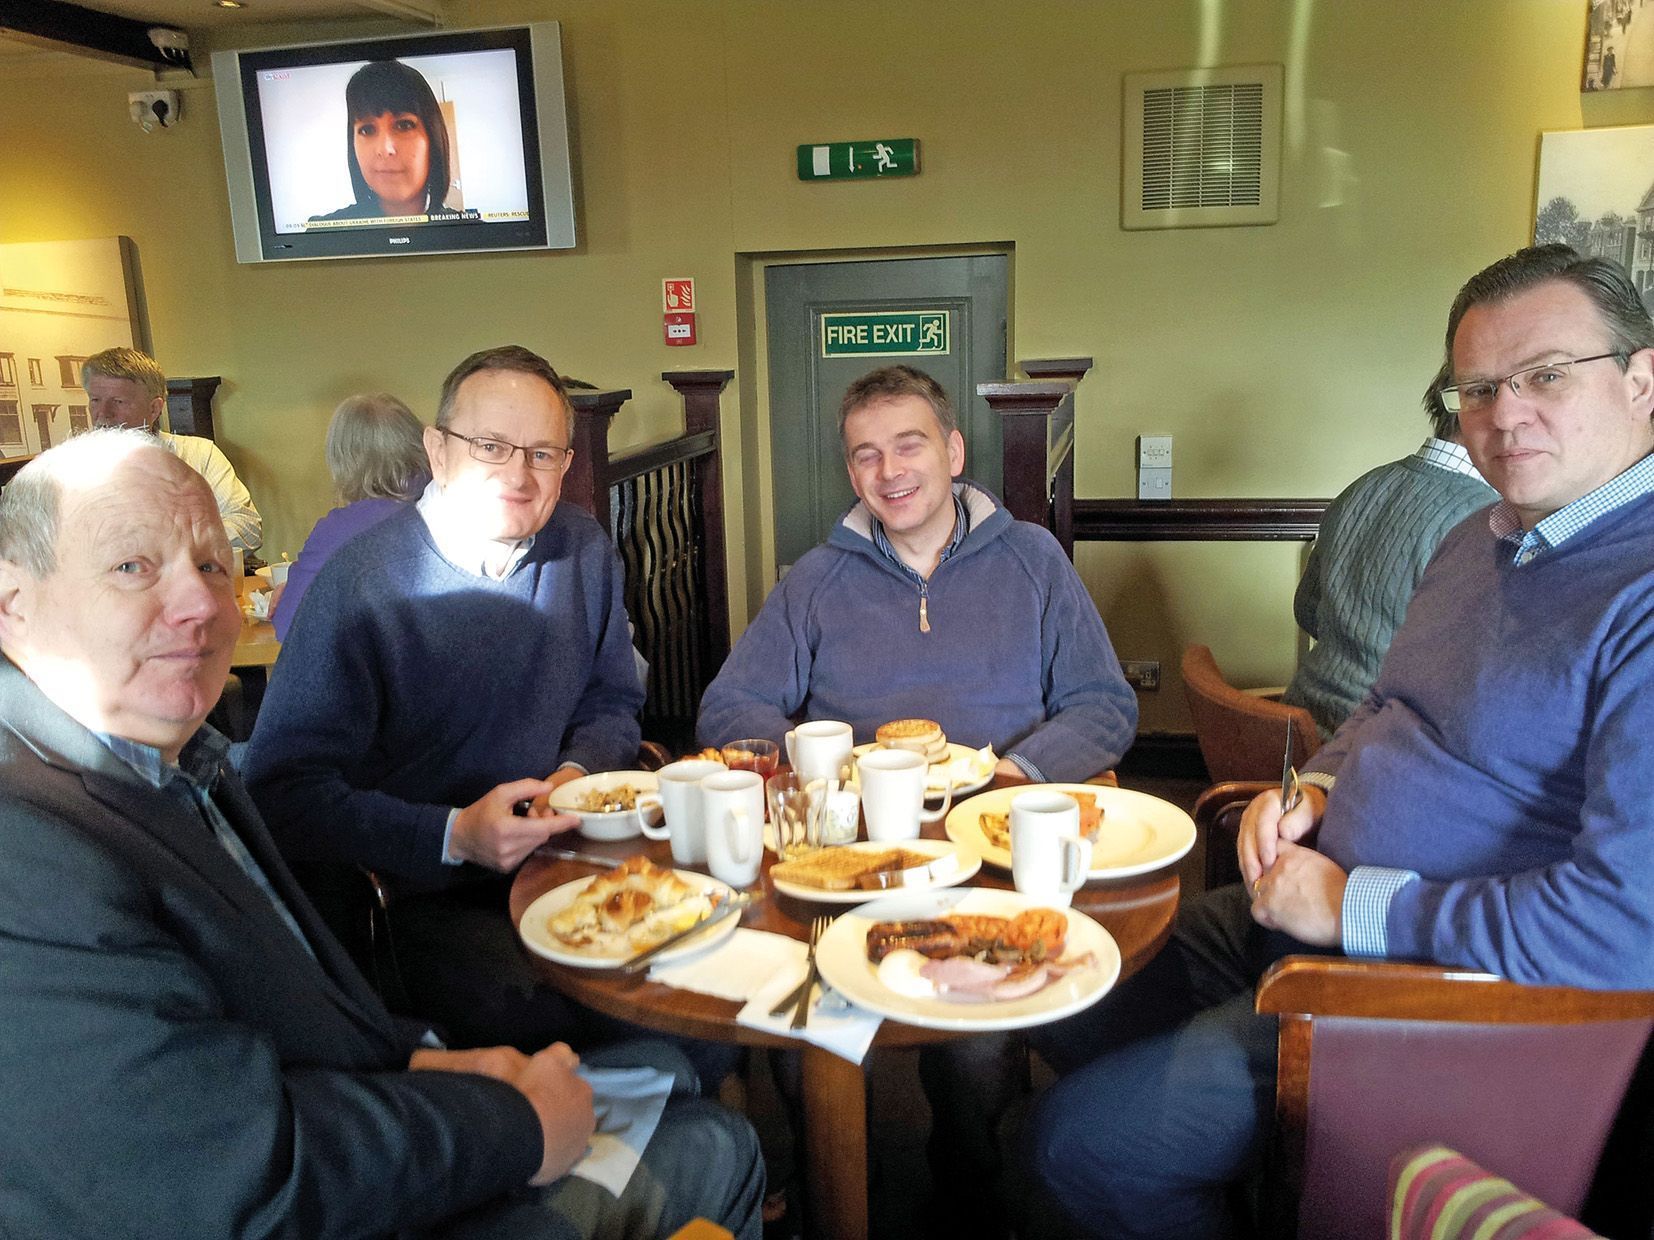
[172, 1060]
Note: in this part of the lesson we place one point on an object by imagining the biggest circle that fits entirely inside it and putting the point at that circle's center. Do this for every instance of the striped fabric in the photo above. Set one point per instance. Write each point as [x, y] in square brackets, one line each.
[1439, 1194]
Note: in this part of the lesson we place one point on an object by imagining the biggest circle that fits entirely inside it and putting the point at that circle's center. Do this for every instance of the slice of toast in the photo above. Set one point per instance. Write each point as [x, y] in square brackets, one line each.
[839, 869]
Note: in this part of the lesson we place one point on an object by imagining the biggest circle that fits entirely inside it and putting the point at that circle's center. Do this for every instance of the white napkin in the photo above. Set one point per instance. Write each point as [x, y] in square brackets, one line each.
[835, 1024]
[628, 1102]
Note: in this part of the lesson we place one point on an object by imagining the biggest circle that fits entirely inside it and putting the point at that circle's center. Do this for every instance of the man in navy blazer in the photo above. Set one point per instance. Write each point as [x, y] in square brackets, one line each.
[184, 1049]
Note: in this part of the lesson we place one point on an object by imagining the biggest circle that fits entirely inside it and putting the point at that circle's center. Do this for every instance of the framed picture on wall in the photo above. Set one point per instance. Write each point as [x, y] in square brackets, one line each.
[1619, 45]
[1596, 193]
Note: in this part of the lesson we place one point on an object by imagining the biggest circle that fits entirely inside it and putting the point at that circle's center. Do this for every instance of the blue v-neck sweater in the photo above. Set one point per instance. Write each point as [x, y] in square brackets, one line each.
[1506, 754]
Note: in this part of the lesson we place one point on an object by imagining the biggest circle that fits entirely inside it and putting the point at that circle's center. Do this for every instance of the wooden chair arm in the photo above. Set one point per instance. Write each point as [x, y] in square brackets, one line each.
[1336, 986]
[1211, 804]
[652, 755]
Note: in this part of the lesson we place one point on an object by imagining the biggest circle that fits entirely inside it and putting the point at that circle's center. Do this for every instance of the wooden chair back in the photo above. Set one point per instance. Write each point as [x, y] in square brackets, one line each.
[1217, 816]
[1376, 1056]
[1241, 735]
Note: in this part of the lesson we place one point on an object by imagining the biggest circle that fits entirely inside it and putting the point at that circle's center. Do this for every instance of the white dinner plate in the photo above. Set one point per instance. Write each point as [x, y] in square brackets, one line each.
[842, 955]
[1140, 833]
[535, 931]
[971, 769]
[969, 864]
[615, 825]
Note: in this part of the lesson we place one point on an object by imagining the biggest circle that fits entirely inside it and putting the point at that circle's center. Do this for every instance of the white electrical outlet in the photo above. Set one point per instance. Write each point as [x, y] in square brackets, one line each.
[1154, 467]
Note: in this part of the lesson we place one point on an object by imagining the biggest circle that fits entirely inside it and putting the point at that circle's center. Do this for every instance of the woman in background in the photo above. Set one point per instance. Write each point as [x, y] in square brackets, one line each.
[376, 455]
[396, 143]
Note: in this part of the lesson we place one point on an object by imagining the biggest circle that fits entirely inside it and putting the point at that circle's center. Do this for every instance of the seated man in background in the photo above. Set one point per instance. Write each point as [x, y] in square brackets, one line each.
[1487, 807]
[126, 388]
[463, 655]
[1374, 542]
[929, 600]
[186, 1050]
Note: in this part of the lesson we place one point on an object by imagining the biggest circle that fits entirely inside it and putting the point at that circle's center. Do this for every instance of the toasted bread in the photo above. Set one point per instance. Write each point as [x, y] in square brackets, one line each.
[838, 869]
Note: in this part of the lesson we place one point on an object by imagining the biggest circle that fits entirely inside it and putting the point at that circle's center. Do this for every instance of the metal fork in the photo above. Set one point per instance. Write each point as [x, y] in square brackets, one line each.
[801, 1015]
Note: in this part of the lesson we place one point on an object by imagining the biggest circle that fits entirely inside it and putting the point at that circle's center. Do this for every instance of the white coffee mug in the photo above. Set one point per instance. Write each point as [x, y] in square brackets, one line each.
[893, 794]
[679, 802]
[732, 805]
[1049, 856]
[820, 749]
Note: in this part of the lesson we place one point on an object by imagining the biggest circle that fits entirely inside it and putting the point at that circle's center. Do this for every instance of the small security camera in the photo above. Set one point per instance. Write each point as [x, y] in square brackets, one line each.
[171, 43]
[153, 109]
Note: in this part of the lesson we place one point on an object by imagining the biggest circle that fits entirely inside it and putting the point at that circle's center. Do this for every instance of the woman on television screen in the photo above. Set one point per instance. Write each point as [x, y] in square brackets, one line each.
[396, 145]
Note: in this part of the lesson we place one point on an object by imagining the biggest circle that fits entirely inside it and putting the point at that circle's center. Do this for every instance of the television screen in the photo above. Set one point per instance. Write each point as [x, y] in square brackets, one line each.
[423, 144]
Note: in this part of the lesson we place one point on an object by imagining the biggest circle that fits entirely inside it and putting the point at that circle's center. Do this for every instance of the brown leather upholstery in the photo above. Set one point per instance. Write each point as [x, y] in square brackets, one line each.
[1376, 1056]
[1241, 735]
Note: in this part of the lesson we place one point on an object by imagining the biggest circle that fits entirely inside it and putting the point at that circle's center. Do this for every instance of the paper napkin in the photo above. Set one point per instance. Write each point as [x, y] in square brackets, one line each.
[628, 1102]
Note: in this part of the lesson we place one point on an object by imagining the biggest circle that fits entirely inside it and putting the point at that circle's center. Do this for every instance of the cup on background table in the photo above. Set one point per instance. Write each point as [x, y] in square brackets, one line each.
[732, 806]
[239, 579]
[753, 755]
[820, 749]
[796, 805]
[679, 802]
[893, 794]
[1049, 856]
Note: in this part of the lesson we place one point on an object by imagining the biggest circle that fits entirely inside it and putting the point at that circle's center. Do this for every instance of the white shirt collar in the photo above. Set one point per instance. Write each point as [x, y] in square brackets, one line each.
[460, 547]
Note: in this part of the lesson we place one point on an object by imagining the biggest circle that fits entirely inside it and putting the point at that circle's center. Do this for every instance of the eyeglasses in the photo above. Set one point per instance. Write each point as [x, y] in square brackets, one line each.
[1539, 382]
[498, 452]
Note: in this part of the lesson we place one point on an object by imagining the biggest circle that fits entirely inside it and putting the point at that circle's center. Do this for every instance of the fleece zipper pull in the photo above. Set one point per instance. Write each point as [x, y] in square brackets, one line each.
[924, 611]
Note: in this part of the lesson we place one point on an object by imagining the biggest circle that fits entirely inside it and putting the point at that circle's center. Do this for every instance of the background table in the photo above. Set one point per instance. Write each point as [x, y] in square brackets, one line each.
[1136, 911]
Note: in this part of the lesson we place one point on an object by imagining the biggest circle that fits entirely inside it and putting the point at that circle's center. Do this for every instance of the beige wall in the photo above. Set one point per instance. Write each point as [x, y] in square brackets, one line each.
[1285, 359]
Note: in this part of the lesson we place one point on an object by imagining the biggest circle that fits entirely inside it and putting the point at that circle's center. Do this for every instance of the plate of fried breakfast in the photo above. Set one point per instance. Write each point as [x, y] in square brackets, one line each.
[606, 804]
[857, 873]
[603, 921]
[968, 958]
[1130, 832]
[966, 769]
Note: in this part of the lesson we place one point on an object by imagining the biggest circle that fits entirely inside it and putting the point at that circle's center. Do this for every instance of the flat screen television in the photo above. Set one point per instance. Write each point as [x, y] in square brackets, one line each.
[422, 144]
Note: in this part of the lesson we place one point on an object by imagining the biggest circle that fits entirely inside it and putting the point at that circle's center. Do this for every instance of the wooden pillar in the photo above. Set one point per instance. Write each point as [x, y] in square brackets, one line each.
[1027, 411]
[587, 482]
[189, 406]
[701, 390]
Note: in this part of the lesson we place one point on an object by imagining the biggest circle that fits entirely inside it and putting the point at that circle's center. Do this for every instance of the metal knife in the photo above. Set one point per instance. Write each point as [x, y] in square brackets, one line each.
[915, 876]
[644, 958]
[569, 854]
[1290, 791]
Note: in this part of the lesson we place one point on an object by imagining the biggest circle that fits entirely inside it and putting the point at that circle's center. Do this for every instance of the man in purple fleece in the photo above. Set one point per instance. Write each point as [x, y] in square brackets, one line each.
[1486, 807]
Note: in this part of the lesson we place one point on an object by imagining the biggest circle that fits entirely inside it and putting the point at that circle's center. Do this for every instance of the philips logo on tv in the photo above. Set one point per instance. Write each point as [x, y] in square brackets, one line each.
[398, 240]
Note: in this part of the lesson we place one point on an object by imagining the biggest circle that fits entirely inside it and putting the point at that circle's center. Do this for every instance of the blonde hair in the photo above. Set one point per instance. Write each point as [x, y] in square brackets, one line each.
[121, 363]
[376, 449]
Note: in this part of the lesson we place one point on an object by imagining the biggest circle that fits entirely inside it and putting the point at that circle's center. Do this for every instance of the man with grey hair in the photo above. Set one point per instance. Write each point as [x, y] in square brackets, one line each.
[125, 387]
[463, 656]
[1485, 808]
[1374, 542]
[185, 1048]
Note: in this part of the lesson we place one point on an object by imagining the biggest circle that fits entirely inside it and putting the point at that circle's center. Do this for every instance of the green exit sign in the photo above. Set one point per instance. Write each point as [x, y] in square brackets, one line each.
[886, 334]
[844, 161]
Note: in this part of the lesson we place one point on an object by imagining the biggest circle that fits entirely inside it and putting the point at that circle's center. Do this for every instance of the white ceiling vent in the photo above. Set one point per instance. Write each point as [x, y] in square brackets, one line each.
[1202, 148]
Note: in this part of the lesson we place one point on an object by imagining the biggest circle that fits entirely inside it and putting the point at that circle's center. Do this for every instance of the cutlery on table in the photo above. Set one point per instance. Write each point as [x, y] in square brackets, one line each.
[801, 1016]
[569, 854]
[732, 905]
[790, 1001]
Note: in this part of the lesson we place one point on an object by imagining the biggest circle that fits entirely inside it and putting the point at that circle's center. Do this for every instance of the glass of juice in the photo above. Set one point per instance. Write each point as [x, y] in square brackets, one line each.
[753, 755]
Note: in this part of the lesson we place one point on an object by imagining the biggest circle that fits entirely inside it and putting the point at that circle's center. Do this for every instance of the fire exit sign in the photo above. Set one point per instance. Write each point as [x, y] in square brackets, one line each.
[885, 334]
[843, 161]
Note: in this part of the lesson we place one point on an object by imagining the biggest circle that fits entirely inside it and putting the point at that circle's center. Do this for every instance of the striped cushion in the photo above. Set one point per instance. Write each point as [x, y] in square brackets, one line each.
[1439, 1194]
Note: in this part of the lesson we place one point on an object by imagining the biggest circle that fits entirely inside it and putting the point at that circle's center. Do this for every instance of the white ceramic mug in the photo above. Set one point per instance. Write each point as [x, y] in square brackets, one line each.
[1049, 856]
[820, 749]
[893, 793]
[732, 806]
[679, 801]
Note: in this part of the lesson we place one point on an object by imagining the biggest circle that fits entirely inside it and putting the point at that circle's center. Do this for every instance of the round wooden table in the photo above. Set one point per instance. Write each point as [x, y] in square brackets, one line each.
[1136, 911]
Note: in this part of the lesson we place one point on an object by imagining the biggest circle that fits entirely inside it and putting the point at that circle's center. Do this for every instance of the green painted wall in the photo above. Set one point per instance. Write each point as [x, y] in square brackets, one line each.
[1284, 359]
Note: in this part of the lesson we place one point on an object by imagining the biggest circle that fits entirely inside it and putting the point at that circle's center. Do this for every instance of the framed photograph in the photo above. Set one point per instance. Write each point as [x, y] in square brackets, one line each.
[1596, 193]
[1619, 45]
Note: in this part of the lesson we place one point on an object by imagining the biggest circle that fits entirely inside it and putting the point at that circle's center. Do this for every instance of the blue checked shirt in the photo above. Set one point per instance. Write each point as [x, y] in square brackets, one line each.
[192, 781]
[1370, 889]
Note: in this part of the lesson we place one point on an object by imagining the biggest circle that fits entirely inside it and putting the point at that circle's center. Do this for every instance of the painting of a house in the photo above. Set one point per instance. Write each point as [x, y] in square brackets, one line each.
[1596, 193]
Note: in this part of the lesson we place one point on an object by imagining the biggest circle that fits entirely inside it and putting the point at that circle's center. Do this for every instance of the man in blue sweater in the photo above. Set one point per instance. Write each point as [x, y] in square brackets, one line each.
[1374, 542]
[463, 656]
[1487, 805]
[929, 600]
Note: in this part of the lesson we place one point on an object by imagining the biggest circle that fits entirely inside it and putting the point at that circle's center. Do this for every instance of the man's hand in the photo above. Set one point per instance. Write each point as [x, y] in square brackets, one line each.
[1008, 772]
[1303, 895]
[561, 1099]
[1263, 828]
[489, 831]
[563, 775]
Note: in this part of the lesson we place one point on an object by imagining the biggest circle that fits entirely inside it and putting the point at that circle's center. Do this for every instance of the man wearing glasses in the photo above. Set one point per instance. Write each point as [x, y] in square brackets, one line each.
[462, 656]
[1486, 807]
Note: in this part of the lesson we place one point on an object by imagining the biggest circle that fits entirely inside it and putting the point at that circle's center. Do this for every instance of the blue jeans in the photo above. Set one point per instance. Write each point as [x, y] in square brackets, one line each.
[1167, 1089]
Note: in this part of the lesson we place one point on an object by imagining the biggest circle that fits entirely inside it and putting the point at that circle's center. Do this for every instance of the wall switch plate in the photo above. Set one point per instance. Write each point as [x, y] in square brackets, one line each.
[1154, 484]
[1154, 452]
[1143, 674]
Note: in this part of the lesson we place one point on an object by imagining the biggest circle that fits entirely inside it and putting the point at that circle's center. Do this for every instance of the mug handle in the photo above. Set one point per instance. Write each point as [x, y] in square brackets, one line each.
[791, 748]
[738, 850]
[644, 801]
[941, 812]
[1076, 862]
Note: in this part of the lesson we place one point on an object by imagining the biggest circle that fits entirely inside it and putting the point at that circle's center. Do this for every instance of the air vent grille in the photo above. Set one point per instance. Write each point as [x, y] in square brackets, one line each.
[1202, 148]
